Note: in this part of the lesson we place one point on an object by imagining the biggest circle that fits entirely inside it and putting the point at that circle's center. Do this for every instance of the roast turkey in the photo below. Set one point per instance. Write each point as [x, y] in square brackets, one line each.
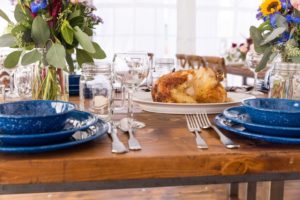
[190, 86]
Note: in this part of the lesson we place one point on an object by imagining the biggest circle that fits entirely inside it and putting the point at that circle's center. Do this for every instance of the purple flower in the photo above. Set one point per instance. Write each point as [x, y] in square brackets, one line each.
[38, 5]
[286, 4]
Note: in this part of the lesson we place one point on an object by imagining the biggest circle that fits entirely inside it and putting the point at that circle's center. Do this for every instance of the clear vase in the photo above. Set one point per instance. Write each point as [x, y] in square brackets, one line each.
[50, 83]
[285, 81]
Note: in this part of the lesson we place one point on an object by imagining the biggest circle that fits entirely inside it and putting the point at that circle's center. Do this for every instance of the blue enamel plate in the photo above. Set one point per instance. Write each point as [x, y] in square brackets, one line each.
[76, 122]
[239, 115]
[98, 130]
[239, 129]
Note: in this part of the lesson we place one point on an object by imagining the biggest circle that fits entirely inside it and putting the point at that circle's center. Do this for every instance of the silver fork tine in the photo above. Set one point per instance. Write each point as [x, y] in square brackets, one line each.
[193, 127]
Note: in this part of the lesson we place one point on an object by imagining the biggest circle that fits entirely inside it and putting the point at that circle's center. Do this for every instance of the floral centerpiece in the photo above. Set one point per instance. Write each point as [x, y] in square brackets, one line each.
[279, 34]
[279, 31]
[238, 52]
[49, 32]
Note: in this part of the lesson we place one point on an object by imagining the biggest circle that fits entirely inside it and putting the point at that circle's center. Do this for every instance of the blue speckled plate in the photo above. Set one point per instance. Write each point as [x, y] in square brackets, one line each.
[239, 129]
[240, 115]
[76, 122]
[99, 130]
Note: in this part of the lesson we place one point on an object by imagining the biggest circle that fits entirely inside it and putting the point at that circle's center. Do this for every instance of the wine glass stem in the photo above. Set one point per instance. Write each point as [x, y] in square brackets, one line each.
[130, 109]
[255, 82]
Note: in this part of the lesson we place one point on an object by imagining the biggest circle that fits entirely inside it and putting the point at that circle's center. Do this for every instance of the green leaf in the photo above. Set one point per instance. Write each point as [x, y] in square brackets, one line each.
[31, 57]
[12, 59]
[274, 34]
[281, 21]
[84, 40]
[83, 57]
[67, 32]
[7, 40]
[265, 59]
[56, 56]
[70, 62]
[5, 17]
[100, 54]
[19, 14]
[40, 31]
[257, 38]
[74, 14]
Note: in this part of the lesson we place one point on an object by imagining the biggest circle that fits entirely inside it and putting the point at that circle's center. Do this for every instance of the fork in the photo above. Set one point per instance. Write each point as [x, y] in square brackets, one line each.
[194, 126]
[117, 145]
[206, 124]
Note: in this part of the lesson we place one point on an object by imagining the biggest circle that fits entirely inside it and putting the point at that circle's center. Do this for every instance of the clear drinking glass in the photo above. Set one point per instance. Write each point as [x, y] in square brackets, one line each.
[96, 89]
[162, 66]
[252, 61]
[131, 69]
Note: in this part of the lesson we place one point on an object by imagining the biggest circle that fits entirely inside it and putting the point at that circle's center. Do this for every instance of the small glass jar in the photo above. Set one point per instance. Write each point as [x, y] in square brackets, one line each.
[96, 89]
[285, 81]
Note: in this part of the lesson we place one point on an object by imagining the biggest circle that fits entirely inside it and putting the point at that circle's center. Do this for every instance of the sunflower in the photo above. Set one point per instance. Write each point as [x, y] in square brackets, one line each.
[270, 6]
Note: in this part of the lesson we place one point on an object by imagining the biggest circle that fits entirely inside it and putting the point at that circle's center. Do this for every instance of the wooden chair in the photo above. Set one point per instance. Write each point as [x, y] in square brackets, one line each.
[218, 64]
[182, 60]
[195, 62]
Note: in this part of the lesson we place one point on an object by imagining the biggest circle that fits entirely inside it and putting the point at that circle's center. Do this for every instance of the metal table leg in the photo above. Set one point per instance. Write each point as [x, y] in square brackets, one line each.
[251, 191]
[277, 190]
[234, 190]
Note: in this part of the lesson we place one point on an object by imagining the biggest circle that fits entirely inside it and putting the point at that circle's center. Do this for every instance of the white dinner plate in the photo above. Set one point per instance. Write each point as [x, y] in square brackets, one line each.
[145, 101]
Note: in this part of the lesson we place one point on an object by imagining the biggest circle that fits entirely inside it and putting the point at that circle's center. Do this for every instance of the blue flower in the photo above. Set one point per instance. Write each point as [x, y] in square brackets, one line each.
[293, 19]
[286, 4]
[38, 5]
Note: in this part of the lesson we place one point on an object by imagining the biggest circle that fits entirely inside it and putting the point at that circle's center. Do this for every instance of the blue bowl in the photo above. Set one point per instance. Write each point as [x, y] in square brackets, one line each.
[274, 112]
[25, 117]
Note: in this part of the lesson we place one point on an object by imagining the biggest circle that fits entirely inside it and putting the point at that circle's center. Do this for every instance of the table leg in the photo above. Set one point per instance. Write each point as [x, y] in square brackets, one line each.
[277, 190]
[251, 191]
[234, 190]
[245, 80]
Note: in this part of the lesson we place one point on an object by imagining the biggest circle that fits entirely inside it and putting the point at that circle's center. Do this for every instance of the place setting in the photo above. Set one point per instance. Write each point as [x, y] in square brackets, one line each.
[269, 120]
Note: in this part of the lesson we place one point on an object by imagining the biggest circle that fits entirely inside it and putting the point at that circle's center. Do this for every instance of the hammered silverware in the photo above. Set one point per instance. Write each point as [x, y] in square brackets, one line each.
[206, 124]
[133, 143]
[117, 145]
[194, 127]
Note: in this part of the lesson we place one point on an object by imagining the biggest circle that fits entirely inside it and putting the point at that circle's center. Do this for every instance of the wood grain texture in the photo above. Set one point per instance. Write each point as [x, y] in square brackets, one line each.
[169, 151]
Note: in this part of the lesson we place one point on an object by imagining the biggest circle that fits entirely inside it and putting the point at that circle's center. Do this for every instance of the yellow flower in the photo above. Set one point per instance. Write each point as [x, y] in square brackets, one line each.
[270, 6]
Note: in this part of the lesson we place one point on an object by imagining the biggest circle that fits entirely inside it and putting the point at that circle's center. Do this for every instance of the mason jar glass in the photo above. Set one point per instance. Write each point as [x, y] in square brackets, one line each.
[96, 94]
[285, 81]
[162, 67]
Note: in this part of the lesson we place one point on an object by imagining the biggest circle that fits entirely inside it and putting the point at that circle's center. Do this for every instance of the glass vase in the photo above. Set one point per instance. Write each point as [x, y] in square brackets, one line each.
[285, 81]
[50, 83]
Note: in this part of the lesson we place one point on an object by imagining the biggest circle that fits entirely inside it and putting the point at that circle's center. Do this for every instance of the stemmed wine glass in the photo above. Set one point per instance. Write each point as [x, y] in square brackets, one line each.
[131, 70]
[252, 61]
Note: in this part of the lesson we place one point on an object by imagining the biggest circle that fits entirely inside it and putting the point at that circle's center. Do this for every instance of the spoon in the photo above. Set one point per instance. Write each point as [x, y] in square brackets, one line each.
[132, 141]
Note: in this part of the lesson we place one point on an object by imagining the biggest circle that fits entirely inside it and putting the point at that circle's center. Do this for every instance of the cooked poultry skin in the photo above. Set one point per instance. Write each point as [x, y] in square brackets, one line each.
[189, 86]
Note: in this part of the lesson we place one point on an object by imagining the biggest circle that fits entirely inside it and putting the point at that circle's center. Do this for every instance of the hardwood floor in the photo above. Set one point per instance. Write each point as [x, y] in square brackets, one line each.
[210, 192]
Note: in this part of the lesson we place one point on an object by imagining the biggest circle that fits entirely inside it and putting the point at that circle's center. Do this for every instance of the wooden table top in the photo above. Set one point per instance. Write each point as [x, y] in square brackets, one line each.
[169, 151]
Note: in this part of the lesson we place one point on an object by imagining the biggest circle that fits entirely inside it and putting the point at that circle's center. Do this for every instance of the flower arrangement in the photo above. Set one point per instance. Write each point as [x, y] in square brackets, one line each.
[279, 33]
[238, 52]
[49, 32]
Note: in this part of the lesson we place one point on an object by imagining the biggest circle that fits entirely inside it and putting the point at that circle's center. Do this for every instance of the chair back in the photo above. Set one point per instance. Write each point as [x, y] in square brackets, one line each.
[195, 62]
[217, 64]
[182, 60]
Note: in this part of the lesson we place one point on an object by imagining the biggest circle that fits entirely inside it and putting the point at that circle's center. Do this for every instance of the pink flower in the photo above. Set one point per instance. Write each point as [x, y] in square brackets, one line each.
[296, 4]
[244, 48]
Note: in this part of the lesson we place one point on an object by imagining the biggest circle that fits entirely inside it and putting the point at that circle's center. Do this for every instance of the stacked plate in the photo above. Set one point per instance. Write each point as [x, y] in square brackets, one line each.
[40, 126]
[270, 120]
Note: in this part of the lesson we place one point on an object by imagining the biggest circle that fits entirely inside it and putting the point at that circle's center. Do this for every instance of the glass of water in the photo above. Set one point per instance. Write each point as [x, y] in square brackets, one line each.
[131, 69]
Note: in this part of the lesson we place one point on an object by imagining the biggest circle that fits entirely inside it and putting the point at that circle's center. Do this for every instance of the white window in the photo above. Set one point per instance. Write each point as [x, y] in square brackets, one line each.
[222, 22]
[137, 25]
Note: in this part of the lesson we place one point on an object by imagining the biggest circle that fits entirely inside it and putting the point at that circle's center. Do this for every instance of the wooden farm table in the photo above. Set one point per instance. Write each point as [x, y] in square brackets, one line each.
[169, 158]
